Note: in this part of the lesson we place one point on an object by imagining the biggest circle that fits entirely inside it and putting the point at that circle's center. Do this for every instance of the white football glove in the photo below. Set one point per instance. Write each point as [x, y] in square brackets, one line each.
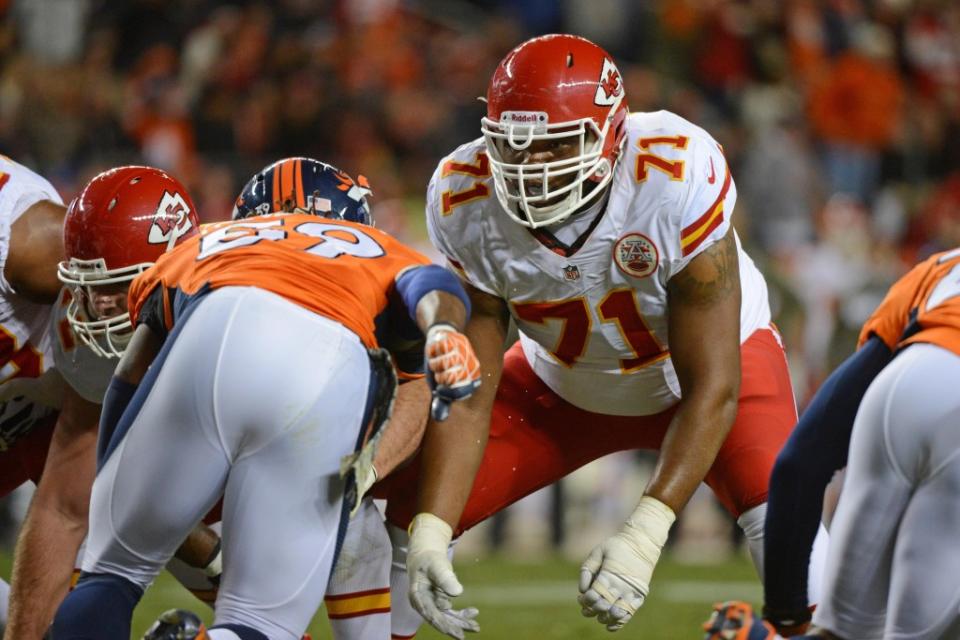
[433, 584]
[615, 578]
[365, 474]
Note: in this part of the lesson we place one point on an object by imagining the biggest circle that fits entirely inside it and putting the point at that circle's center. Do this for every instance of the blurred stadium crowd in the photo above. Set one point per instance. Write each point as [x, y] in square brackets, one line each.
[840, 118]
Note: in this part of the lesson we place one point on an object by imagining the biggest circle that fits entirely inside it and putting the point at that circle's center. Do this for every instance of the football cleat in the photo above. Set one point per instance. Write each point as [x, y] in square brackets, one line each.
[735, 620]
[177, 624]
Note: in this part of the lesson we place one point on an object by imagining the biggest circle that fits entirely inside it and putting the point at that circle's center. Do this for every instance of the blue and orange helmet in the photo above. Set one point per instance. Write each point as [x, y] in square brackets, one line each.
[305, 185]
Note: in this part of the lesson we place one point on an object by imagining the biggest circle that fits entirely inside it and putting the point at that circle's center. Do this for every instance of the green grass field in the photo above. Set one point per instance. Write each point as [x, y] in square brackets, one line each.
[538, 600]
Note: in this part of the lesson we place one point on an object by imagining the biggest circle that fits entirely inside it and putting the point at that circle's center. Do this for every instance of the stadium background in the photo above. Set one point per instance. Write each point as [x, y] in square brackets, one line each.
[840, 120]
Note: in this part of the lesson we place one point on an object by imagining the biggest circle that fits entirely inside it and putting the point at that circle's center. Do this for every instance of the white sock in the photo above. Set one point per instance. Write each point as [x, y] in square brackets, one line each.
[752, 522]
[404, 619]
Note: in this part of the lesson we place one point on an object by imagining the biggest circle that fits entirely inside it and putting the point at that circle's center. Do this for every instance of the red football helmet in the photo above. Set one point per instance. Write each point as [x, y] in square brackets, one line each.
[124, 220]
[566, 91]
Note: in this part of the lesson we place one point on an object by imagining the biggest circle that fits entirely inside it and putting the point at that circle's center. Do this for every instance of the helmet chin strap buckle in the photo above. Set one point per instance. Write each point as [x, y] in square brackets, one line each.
[602, 170]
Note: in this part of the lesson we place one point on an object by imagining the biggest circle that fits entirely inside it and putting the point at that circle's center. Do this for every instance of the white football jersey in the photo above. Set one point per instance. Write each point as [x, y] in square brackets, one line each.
[593, 319]
[25, 343]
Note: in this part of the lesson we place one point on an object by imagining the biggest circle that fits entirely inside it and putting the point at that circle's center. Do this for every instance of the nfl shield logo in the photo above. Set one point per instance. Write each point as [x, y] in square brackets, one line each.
[571, 273]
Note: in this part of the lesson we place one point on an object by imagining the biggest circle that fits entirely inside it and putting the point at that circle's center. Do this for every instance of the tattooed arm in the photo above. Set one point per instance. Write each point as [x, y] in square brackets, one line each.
[704, 330]
[704, 326]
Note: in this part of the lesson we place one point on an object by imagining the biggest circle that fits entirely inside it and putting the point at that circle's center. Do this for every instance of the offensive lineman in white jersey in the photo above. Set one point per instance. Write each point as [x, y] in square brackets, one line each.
[31, 244]
[49, 421]
[607, 238]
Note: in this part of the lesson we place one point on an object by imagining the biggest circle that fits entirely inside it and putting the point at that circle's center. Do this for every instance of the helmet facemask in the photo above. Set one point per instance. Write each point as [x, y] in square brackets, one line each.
[537, 194]
[108, 336]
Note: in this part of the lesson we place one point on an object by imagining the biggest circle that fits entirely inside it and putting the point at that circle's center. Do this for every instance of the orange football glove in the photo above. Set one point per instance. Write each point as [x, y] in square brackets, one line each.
[453, 370]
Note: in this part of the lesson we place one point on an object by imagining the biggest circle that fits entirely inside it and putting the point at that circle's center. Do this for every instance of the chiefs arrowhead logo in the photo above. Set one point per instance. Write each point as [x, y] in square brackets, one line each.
[610, 85]
[171, 220]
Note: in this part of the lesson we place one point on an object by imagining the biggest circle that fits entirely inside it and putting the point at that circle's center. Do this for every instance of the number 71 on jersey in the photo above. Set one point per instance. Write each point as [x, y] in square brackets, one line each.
[620, 307]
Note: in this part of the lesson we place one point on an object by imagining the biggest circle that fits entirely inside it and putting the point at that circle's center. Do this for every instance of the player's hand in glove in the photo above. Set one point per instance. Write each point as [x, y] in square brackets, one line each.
[433, 583]
[365, 473]
[615, 578]
[453, 370]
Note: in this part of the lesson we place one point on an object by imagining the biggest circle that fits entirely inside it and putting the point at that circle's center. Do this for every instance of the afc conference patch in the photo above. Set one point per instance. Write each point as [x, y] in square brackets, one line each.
[636, 255]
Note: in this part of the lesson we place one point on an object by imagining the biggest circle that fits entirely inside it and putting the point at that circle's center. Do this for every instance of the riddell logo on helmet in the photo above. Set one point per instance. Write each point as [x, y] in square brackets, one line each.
[172, 217]
[610, 85]
[523, 117]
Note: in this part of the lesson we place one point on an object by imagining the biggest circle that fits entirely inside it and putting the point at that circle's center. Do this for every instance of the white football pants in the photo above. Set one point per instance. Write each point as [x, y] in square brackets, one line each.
[257, 399]
[358, 599]
[893, 569]
[358, 594]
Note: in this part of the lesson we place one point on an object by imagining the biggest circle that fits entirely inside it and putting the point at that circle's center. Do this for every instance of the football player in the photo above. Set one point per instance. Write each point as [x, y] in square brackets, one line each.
[358, 596]
[891, 407]
[56, 363]
[607, 237]
[263, 364]
[31, 245]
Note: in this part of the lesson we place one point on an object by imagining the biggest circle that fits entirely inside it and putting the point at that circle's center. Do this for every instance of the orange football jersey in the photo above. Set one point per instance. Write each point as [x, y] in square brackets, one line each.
[923, 306]
[342, 270]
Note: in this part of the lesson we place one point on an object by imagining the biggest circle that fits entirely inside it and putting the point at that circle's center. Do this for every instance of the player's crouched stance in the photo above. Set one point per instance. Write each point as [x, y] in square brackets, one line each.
[891, 571]
[263, 382]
